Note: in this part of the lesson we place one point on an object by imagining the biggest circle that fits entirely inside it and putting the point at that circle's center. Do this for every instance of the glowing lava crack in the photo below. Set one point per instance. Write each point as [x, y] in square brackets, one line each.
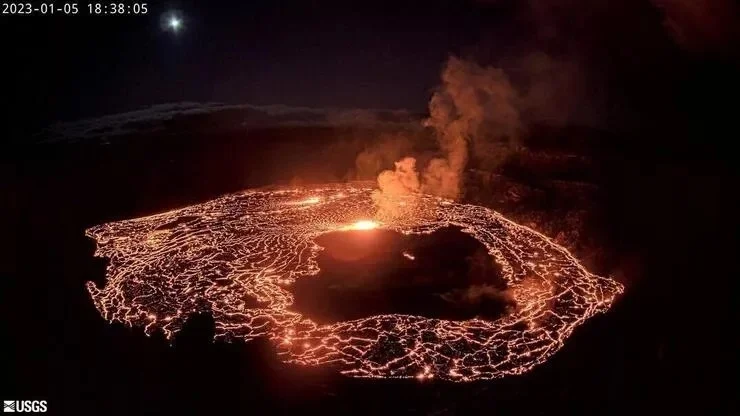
[219, 256]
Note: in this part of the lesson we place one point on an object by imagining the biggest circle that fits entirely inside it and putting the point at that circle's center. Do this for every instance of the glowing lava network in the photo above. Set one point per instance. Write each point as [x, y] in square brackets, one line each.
[221, 256]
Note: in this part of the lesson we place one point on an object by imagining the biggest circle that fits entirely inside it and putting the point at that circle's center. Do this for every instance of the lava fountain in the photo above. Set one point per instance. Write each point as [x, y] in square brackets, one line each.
[363, 225]
[237, 256]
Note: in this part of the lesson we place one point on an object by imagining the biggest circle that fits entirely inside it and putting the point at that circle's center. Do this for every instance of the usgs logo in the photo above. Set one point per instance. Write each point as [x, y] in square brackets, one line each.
[33, 406]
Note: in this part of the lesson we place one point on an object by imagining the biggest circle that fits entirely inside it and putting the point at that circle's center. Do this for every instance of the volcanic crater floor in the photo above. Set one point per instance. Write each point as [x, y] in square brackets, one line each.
[342, 276]
[446, 274]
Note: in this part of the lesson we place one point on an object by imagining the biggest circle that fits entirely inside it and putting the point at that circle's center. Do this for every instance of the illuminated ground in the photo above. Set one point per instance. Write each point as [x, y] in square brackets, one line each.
[237, 257]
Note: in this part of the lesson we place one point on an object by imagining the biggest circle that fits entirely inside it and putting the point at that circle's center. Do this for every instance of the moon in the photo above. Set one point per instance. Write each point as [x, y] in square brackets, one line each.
[174, 23]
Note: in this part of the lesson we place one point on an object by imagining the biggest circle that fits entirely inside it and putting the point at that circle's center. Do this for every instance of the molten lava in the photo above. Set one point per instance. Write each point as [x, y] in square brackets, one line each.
[237, 256]
[363, 225]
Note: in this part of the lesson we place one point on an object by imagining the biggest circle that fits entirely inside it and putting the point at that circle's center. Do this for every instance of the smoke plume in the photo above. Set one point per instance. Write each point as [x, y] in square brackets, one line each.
[381, 153]
[702, 26]
[403, 180]
[475, 113]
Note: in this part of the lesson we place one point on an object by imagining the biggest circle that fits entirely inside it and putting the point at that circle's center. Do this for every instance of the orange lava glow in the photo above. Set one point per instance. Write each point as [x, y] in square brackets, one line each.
[308, 201]
[363, 225]
[236, 257]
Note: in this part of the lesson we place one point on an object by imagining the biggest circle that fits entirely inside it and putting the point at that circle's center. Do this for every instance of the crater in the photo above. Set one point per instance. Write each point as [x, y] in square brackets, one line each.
[447, 274]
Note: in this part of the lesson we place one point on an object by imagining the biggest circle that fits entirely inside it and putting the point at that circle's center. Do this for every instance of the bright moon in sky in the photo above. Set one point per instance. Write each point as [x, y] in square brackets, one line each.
[175, 23]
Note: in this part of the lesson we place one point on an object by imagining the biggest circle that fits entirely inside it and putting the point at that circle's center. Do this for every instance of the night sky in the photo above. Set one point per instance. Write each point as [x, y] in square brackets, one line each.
[262, 52]
[637, 62]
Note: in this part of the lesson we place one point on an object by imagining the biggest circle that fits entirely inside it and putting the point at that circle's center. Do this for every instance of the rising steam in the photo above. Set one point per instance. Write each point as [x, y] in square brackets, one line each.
[474, 113]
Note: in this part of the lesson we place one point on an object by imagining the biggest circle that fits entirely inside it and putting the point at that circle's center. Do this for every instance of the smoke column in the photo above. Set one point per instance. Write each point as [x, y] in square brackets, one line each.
[474, 111]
